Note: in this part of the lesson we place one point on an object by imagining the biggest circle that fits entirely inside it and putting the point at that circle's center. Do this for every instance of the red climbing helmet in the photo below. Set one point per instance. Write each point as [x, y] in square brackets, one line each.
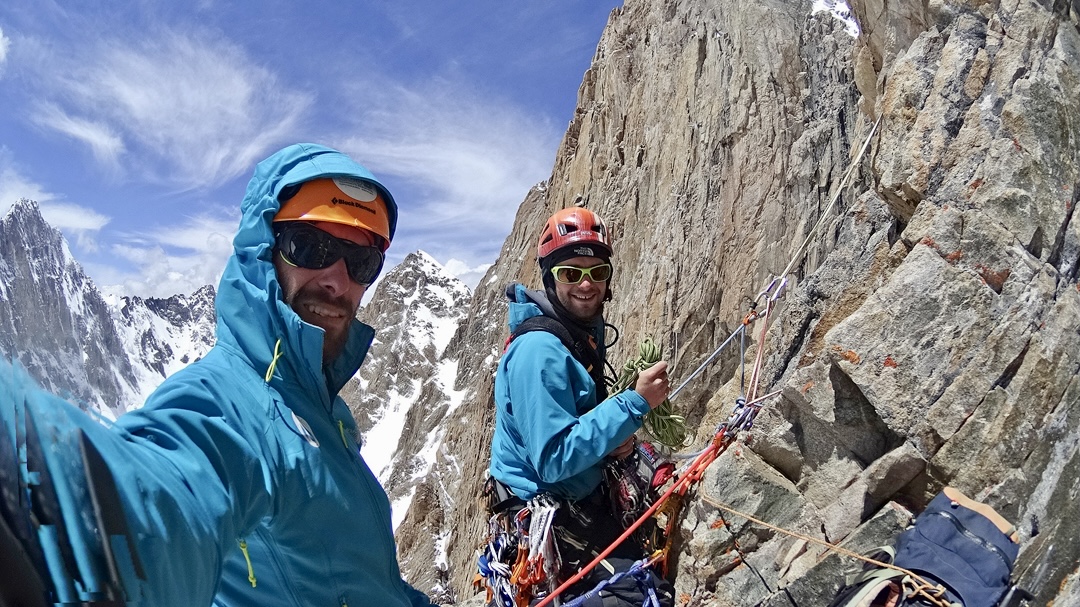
[574, 226]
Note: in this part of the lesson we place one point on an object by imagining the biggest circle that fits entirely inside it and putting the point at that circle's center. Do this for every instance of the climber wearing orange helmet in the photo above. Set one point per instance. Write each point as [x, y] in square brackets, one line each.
[241, 481]
[556, 427]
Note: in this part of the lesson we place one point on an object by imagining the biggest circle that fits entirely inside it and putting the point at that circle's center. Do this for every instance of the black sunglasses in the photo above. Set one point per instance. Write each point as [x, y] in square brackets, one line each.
[306, 246]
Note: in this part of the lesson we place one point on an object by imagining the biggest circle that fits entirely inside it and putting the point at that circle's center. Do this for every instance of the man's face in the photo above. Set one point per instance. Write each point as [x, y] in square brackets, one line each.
[326, 298]
[585, 299]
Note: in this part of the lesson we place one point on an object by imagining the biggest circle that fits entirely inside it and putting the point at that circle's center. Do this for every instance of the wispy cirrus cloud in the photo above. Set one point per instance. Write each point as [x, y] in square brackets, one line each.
[5, 44]
[469, 159]
[104, 142]
[167, 261]
[186, 109]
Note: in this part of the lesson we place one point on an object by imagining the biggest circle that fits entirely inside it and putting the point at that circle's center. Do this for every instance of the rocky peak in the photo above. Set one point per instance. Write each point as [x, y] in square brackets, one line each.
[53, 320]
[402, 397]
[56, 323]
[183, 309]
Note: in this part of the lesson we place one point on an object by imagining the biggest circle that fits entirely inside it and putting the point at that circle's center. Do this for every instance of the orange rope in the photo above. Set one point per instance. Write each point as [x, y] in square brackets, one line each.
[692, 475]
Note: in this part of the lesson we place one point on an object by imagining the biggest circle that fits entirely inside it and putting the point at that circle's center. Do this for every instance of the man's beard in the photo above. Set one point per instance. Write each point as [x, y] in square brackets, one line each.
[335, 329]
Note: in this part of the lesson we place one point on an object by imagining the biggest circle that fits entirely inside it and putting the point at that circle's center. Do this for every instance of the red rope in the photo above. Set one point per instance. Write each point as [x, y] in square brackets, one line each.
[692, 475]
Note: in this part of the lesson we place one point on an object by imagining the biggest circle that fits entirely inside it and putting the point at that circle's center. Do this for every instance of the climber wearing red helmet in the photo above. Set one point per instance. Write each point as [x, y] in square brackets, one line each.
[556, 427]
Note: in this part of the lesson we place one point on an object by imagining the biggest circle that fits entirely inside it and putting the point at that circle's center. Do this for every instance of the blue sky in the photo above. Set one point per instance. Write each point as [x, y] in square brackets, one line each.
[136, 124]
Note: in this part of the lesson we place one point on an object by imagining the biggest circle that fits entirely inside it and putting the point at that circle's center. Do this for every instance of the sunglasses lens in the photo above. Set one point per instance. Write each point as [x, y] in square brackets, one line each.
[364, 263]
[308, 247]
[311, 248]
[568, 274]
[572, 275]
[600, 273]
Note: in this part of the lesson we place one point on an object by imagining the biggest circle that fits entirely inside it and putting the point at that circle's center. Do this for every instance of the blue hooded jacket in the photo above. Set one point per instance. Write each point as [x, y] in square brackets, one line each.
[551, 436]
[241, 478]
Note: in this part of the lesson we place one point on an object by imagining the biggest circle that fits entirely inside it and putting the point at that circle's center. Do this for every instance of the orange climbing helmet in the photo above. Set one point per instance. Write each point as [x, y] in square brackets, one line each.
[576, 228]
[360, 203]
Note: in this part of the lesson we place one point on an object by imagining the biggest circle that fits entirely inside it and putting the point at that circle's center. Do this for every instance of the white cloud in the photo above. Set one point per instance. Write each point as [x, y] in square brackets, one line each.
[103, 141]
[470, 275]
[67, 216]
[471, 158]
[190, 111]
[13, 185]
[167, 261]
[79, 222]
[5, 44]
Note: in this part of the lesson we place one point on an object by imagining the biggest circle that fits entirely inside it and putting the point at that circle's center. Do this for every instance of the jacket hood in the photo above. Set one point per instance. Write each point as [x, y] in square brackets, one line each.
[251, 314]
[526, 303]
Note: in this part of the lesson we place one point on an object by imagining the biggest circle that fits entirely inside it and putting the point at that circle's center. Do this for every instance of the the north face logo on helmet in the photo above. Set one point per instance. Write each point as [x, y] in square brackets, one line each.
[585, 252]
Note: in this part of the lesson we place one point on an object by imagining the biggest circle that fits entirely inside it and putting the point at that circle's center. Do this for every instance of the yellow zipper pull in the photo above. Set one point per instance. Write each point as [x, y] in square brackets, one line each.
[251, 570]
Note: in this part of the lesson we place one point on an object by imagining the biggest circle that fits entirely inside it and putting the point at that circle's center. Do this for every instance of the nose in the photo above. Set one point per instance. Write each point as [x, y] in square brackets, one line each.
[335, 279]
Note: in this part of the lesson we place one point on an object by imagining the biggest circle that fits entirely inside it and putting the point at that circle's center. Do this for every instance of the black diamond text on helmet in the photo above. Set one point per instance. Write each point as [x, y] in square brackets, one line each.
[353, 204]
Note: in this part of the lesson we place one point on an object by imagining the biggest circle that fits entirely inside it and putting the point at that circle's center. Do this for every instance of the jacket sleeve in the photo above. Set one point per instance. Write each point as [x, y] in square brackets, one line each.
[546, 384]
[186, 477]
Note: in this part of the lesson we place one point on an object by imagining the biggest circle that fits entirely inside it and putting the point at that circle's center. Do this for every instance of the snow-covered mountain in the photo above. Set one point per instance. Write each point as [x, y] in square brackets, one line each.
[416, 309]
[106, 353]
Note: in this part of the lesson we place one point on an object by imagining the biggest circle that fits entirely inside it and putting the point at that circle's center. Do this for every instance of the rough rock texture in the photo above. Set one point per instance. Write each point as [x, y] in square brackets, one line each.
[930, 335]
[38, 279]
[404, 390]
[105, 355]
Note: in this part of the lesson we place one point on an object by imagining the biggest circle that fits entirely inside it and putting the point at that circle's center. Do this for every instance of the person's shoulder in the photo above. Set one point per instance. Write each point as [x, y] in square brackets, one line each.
[537, 344]
[214, 375]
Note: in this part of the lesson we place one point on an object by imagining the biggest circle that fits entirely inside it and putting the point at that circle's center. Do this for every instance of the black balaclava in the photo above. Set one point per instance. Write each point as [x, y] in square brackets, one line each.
[581, 330]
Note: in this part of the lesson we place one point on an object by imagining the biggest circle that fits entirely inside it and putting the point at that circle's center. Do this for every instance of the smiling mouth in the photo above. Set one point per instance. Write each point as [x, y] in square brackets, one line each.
[324, 312]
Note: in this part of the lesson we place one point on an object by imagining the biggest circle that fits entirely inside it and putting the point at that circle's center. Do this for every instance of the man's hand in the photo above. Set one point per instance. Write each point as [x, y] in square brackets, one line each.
[652, 383]
[626, 448]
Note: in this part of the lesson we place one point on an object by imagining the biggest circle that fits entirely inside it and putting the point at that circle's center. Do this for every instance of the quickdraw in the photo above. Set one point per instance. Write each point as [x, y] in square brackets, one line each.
[521, 556]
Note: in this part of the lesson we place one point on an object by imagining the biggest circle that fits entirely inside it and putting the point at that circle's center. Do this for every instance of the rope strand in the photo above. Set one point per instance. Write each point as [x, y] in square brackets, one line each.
[923, 587]
[661, 423]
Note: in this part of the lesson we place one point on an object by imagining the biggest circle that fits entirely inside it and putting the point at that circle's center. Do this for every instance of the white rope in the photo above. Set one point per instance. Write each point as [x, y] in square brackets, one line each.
[777, 284]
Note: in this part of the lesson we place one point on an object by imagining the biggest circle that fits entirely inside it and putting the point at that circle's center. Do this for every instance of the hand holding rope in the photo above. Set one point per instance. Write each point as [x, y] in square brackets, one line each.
[661, 423]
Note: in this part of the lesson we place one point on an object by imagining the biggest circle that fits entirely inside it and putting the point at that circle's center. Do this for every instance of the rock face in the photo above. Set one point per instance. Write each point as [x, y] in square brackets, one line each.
[104, 355]
[928, 332]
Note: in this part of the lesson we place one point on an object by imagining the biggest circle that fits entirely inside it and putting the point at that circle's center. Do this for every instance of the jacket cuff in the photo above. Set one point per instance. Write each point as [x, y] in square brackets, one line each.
[637, 403]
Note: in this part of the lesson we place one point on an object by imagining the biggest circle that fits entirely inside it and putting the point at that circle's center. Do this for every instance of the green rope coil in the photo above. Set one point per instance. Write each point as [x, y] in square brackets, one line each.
[662, 423]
